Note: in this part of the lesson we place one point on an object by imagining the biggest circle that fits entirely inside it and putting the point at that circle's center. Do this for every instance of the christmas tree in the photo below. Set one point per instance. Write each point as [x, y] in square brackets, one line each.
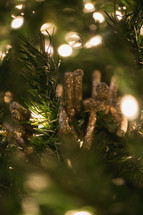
[71, 107]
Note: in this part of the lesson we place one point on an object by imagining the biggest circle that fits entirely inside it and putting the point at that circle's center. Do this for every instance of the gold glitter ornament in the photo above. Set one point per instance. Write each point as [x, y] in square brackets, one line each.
[77, 77]
[68, 94]
[90, 131]
[96, 77]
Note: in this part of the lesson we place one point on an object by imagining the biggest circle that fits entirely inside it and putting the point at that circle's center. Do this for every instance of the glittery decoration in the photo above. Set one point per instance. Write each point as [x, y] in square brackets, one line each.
[93, 105]
[18, 112]
[68, 93]
[123, 126]
[113, 91]
[77, 77]
[63, 121]
[102, 91]
[96, 77]
[90, 130]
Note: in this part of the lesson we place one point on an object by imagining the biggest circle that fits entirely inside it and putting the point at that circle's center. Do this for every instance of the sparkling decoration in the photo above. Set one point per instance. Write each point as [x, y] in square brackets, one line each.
[103, 98]
[129, 107]
[98, 17]
[17, 22]
[65, 50]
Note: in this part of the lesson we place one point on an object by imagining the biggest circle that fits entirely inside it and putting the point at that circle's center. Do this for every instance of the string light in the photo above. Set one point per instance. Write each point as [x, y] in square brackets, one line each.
[65, 50]
[48, 27]
[75, 212]
[73, 39]
[129, 107]
[19, 6]
[98, 17]
[119, 15]
[17, 22]
[88, 7]
[141, 31]
[48, 48]
[94, 41]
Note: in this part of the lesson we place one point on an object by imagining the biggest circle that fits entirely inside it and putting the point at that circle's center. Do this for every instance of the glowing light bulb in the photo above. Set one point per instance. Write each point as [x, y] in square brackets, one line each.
[48, 27]
[98, 17]
[141, 31]
[17, 22]
[19, 6]
[75, 212]
[129, 107]
[65, 50]
[119, 15]
[73, 39]
[88, 7]
[94, 41]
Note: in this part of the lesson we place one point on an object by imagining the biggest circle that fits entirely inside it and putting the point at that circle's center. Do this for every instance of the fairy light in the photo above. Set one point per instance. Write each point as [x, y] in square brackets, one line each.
[94, 41]
[19, 6]
[75, 212]
[48, 28]
[48, 48]
[129, 107]
[73, 39]
[119, 15]
[65, 50]
[8, 97]
[17, 22]
[98, 17]
[88, 7]
[141, 31]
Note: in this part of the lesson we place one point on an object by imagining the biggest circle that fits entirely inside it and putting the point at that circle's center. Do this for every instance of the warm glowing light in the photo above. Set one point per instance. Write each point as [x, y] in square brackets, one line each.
[19, 6]
[98, 17]
[30, 206]
[8, 97]
[2, 54]
[88, 7]
[75, 212]
[17, 22]
[94, 41]
[119, 15]
[36, 182]
[141, 31]
[65, 50]
[48, 28]
[48, 48]
[73, 39]
[129, 107]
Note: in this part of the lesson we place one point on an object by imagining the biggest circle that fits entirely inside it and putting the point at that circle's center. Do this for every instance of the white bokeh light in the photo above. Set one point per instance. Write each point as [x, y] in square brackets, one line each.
[119, 15]
[129, 107]
[19, 6]
[94, 41]
[73, 39]
[17, 22]
[65, 50]
[49, 48]
[75, 212]
[48, 27]
[141, 30]
[88, 7]
[98, 17]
